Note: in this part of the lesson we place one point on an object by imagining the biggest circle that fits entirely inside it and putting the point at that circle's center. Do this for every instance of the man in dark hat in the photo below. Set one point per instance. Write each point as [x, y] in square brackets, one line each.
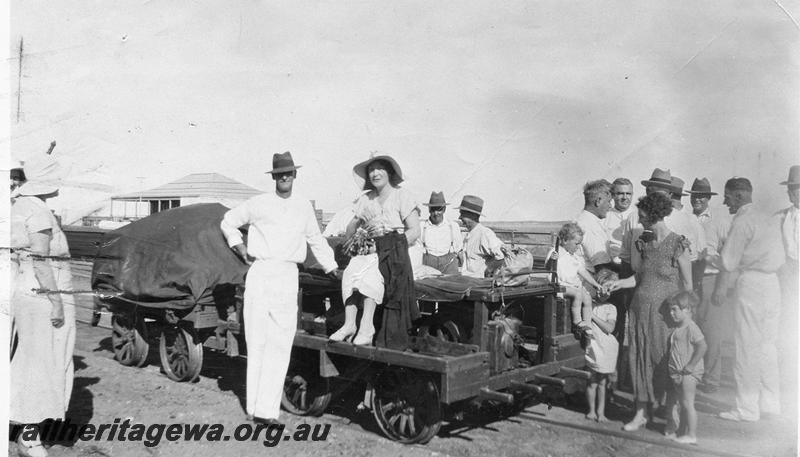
[753, 249]
[710, 283]
[441, 239]
[481, 243]
[788, 275]
[282, 224]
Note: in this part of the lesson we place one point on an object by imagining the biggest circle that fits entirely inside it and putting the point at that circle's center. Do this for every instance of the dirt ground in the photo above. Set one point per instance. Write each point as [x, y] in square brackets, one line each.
[104, 391]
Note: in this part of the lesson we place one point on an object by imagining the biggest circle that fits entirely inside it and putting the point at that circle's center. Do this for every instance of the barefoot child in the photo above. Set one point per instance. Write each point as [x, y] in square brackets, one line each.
[601, 354]
[686, 349]
[572, 272]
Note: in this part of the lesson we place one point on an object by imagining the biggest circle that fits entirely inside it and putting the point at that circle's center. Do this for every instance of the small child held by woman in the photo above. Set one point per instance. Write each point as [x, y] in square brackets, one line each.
[601, 350]
[572, 274]
[687, 346]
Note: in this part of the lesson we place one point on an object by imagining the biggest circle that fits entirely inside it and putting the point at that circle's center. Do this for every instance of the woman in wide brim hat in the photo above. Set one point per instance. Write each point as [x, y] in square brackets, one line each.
[388, 217]
[361, 172]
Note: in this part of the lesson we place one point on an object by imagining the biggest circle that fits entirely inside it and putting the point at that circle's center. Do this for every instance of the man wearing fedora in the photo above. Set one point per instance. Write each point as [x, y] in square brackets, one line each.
[788, 276]
[481, 244]
[281, 225]
[441, 239]
[753, 250]
[710, 284]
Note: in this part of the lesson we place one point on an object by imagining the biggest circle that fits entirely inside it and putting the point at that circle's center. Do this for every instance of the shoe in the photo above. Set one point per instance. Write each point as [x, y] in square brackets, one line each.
[670, 435]
[364, 338]
[31, 448]
[686, 439]
[734, 416]
[634, 425]
[343, 334]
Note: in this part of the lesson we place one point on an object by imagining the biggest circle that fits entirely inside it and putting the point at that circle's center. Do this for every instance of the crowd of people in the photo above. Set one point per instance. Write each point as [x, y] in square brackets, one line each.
[637, 275]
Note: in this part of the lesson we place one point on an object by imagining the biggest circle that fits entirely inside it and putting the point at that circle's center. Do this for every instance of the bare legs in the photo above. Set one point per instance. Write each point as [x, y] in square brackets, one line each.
[682, 394]
[596, 395]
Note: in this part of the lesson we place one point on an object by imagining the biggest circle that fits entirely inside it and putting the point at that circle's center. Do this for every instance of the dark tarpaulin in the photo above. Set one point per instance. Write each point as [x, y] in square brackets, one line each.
[172, 259]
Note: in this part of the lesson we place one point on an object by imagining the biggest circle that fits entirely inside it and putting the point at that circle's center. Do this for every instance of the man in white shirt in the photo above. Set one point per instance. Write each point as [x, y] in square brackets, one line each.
[683, 221]
[712, 315]
[622, 193]
[481, 244]
[441, 239]
[281, 225]
[788, 276]
[753, 249]
[596, 239]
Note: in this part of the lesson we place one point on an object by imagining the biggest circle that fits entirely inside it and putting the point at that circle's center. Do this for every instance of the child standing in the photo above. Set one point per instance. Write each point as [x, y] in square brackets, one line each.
[572, 273]
[601, 355]
[686, 349]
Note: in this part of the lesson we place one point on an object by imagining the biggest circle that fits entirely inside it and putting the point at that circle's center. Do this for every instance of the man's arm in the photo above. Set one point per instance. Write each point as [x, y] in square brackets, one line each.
[231, 221]
[318, 244]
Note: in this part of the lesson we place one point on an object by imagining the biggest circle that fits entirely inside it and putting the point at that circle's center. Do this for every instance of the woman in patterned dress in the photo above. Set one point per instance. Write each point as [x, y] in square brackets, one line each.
[663, 270]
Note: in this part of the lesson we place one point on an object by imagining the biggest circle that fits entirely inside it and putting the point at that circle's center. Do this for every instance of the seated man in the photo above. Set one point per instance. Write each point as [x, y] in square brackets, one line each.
[441, 239]
[481, 243]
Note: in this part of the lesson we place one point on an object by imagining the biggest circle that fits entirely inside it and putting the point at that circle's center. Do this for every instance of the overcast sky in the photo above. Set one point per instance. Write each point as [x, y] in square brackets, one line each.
[518, 102]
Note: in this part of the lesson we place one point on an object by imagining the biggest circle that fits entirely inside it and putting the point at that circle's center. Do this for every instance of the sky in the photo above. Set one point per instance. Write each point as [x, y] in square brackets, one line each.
[518, 102]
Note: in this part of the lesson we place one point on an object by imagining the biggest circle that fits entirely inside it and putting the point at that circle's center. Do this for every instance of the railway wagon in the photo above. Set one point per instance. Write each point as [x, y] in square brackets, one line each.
[476, 341]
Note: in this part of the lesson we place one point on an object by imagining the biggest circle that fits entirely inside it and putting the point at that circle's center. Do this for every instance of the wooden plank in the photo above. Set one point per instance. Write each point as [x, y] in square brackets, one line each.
[424, 362]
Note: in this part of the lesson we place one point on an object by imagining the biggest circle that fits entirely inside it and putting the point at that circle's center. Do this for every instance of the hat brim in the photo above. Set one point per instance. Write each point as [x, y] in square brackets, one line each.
[790, 183]
[697, 192]
[436, 204]
[663, 185]
[360, 169]
[283, 169]
[30, 189]
[469, 210]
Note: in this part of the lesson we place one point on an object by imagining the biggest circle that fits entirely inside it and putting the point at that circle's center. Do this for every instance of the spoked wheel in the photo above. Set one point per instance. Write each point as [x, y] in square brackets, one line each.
[406, 406]
[181, 357]
[129, 340]
[446, 331]
[305, 392]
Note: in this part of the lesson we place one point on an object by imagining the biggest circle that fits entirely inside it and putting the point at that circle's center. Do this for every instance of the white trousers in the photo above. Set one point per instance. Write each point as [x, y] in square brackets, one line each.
[270, 322]
[755, 332]
[41, 373]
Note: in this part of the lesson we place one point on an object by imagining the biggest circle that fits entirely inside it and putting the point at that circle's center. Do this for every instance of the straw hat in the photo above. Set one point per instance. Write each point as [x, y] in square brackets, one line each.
[360, 169]
[472, 204]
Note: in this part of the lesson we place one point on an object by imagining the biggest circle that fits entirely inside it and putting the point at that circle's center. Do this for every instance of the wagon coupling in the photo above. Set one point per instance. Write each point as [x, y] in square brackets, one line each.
[550, 380]
[567, 371]
[493, 395]
[524, 386]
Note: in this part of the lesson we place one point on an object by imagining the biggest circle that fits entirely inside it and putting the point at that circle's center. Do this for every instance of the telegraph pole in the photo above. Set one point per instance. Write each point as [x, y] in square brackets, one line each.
[19, 79]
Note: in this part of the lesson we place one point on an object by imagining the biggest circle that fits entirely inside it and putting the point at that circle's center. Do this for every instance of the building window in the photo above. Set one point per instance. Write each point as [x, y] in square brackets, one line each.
[163, 205]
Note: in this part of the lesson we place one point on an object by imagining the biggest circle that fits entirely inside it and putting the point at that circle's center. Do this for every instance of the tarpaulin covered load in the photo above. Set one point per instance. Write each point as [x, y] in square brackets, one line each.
[173, 259]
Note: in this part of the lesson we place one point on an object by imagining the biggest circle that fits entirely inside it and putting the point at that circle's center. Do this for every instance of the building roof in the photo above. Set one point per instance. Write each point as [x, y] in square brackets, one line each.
[196, 185]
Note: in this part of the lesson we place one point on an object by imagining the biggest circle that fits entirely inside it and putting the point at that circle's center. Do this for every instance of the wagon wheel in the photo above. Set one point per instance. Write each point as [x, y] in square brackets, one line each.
[406, 406]
[129, 340]
[447, 331]
[305, 392]
[181, 357]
